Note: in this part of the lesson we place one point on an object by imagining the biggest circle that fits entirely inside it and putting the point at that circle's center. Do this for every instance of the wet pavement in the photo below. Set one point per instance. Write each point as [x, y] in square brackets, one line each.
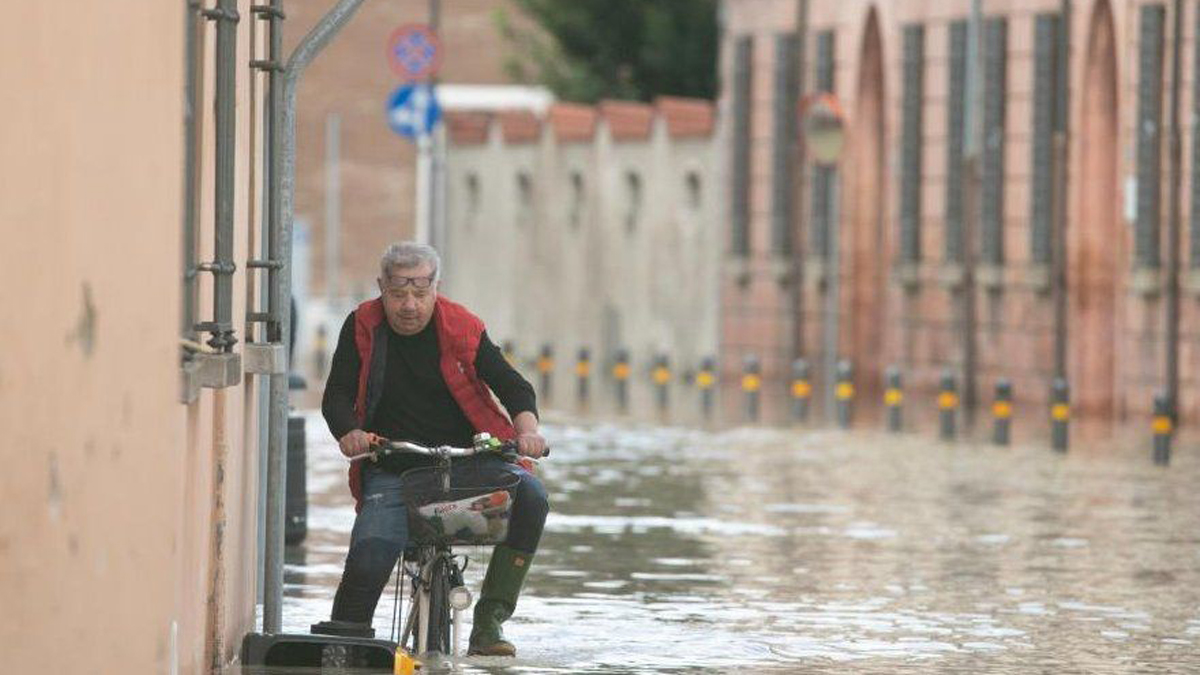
[771, 551]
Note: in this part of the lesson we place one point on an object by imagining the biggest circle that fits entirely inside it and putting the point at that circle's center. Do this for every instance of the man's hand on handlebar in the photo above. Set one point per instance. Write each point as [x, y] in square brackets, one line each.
[357, 442]
[531, 444]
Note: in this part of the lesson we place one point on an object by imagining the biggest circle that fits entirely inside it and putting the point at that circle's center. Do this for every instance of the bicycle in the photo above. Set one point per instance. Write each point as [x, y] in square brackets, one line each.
[443, 514]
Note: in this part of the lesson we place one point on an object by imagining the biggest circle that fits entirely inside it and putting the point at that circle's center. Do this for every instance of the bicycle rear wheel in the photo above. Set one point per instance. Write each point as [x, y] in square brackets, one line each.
[440, 580]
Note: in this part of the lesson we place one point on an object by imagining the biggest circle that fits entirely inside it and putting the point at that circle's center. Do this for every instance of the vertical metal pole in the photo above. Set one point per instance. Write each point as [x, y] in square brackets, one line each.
[1058, 243]
[1174, 243]
[973, 128]
[801, 166]
[424, 182]
[283, 184]
[333, 208]
[832, 291]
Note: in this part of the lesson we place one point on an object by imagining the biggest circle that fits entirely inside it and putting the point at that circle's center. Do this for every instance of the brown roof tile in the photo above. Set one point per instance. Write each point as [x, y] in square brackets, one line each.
[519, 126]
[572, 122]
[467, 128]
[686, 117]
[627, 120]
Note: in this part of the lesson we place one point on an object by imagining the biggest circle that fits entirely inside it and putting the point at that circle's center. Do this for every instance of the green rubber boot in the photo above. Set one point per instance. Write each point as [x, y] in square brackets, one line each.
[497, 600]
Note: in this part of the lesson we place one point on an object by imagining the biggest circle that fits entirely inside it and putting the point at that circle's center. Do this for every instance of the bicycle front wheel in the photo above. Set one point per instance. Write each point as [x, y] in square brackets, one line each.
[439, 605]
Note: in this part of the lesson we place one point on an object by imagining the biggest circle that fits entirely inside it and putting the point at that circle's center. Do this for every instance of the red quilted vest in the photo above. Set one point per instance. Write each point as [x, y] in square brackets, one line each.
[458, 333]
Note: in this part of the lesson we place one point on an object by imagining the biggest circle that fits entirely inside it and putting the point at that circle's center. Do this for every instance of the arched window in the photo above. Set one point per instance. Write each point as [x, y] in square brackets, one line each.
[694, 195]
[473, 198]
[575, 213]
[633, 200]
[524, 197]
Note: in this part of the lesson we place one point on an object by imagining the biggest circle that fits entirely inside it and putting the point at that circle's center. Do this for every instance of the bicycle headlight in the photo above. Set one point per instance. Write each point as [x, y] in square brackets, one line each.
[460, 598]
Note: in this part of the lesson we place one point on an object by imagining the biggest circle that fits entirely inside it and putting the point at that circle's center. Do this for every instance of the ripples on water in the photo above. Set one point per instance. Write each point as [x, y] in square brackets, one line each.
[760, 551]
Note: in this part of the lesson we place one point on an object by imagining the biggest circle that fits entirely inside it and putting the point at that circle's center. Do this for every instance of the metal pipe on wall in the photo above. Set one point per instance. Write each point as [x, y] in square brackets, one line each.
[193, 50]
[283, 185]
[222, 267]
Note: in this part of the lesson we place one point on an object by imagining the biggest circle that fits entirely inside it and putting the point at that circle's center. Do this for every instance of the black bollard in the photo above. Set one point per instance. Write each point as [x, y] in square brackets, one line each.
[844, 393]
[705, 379]
[947, 405]
[295, 524]
[1002, 412]
[583, 374]
[1060, 414]
[893, 399]
[545, 367]
[801, 390]
[751, 383]
[662, 379]
[621, 375]
[1163, 426]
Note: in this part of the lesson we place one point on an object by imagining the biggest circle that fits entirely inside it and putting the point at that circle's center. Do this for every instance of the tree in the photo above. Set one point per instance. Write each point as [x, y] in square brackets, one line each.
[586, 50]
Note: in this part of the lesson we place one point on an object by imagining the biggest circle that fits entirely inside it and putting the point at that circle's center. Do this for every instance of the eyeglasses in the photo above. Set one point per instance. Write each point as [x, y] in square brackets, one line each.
[397, 281]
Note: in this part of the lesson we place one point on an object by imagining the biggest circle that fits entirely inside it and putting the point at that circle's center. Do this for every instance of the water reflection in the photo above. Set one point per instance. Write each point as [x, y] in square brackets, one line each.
[767, 551]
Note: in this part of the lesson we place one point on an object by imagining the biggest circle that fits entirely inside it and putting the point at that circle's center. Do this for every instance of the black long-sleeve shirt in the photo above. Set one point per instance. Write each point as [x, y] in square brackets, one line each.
[416, 405]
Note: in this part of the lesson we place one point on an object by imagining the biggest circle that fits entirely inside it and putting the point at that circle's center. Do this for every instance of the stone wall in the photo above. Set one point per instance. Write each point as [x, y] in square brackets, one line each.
[594, 228]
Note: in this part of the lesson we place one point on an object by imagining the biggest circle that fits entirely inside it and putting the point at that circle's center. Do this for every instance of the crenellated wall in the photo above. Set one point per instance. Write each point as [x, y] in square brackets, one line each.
[593, 227]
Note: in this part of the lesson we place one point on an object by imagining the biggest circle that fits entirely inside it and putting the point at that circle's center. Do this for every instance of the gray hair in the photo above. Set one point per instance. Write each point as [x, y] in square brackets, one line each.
[409, 254]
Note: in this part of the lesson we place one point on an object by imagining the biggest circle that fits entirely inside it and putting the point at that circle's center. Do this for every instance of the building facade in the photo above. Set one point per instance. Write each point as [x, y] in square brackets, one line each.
[891, 221]
[128, 541]
[590, 228]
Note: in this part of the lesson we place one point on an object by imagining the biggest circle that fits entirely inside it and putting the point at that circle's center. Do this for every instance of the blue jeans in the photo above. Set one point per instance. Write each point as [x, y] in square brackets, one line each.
[380, 532]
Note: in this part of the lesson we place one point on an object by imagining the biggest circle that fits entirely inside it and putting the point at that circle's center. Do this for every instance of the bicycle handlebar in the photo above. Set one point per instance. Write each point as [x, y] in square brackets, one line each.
[387, 447]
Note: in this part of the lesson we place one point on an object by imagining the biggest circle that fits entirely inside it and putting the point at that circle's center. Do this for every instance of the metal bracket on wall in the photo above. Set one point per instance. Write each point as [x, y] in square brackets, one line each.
[221, 14]
[218, 371]
[265, 358]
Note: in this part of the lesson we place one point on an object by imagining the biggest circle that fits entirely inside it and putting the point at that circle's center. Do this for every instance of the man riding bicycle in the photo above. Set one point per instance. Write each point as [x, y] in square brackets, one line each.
[411, 365]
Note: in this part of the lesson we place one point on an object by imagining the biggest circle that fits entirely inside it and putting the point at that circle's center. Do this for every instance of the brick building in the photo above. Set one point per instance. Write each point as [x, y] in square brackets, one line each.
[896, 204]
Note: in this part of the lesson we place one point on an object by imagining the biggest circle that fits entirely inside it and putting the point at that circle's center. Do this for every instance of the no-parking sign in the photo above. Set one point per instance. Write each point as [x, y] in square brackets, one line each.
[414, 52]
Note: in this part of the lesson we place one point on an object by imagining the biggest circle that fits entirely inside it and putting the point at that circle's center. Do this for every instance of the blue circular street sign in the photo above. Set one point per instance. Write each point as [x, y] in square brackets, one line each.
[413, 110]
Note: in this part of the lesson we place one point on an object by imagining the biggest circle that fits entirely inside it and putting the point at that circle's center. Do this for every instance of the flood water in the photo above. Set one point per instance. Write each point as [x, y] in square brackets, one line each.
[772, 551]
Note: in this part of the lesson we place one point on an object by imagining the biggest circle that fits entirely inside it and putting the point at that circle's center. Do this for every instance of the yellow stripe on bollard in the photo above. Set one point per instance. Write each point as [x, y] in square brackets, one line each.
[801, 389]
[751, 382]
[947, 400]
[1060, 412]
[661, 376]
[545, 365]
[844, 391]
[621, 371]
[1002, 410]
[1161, 425]
[892, 397]
[704, 379]
[583, 369]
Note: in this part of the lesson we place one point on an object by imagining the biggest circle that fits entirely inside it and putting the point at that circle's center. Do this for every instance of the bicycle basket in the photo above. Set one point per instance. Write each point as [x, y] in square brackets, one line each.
[475, 509]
